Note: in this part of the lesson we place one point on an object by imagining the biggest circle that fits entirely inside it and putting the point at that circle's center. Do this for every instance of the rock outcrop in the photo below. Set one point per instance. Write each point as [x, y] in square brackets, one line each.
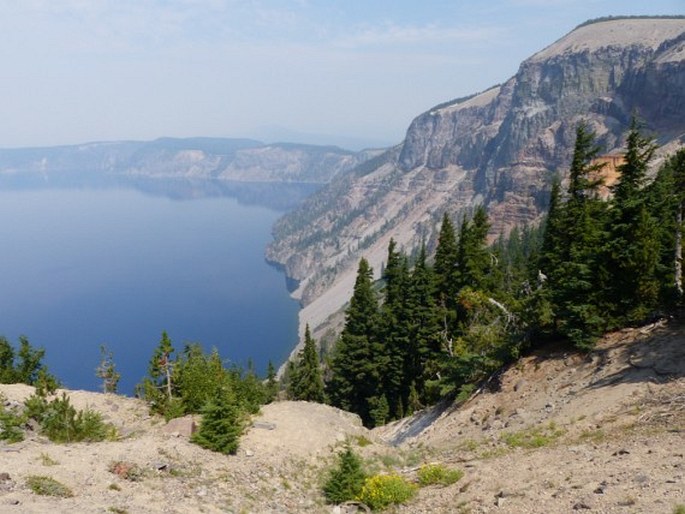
[501, 147]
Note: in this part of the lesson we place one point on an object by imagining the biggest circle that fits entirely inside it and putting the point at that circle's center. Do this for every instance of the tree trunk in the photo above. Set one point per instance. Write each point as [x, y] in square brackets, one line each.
[679, 251]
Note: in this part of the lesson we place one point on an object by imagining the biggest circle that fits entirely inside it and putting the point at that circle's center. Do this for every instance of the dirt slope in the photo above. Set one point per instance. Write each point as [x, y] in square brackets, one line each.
[609, 429]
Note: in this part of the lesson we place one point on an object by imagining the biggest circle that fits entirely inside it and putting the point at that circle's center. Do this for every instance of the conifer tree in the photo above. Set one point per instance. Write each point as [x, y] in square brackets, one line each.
[222, 424]
[424, 354]
[473, 257]
[306, 382]
[446, 261]
[634, 250]
[395, 331]
[355, 365]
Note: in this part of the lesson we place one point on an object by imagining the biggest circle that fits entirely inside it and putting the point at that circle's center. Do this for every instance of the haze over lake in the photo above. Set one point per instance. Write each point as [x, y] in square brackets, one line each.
[85, 266]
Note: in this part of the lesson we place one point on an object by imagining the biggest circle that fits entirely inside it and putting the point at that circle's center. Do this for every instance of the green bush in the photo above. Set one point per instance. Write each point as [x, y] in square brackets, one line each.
[345, 481]
[431, 474]
[10, 425]
[62, 423]
[381, 491]
[47, 486]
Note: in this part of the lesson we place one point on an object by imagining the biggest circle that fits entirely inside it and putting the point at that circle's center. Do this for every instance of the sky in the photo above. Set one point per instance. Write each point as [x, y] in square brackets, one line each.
[347, 72]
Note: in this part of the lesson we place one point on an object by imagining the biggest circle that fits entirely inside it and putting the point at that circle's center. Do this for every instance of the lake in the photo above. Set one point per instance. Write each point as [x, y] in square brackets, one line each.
[117, 265]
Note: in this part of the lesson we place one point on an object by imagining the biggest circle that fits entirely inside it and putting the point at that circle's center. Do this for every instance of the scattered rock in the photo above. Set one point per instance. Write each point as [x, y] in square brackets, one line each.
[185, 426]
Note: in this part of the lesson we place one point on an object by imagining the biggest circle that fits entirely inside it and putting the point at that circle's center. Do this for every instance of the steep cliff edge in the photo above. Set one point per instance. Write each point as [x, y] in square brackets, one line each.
[500, 148]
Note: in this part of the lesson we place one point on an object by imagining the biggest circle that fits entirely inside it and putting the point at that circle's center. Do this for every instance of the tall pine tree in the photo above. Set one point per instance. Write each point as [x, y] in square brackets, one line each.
[306, 382]
[634, 248]
[356, 368]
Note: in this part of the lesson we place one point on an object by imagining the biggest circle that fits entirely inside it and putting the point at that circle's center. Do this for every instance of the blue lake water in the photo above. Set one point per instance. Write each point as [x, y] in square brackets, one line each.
[81, 267]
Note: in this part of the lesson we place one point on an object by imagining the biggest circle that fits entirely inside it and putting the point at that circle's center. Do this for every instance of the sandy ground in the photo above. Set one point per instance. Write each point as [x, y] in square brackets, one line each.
[614, 423]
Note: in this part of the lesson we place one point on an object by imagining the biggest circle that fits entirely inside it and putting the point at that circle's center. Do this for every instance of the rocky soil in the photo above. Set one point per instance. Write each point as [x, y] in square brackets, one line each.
[558, 432]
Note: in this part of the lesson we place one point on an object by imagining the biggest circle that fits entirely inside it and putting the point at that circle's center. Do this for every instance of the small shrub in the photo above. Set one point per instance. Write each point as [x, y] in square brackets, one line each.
[48, 486]
[10, 426]
[114, 487]
[532, 438]
[381, 491]
[345, 481]
[126, 470]
[62, 423]
[46, 460]
[679, 509]
[432, 474]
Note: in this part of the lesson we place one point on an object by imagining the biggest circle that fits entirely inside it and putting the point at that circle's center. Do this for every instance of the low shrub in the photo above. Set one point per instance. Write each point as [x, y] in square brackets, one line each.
[48, 486]
[381, 491]
[10, 426]
[432, 474]
[126, 470]
[62, 423]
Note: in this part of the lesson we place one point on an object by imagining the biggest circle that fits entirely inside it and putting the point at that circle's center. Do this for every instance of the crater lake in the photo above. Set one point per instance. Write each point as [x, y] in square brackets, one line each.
[116, 265]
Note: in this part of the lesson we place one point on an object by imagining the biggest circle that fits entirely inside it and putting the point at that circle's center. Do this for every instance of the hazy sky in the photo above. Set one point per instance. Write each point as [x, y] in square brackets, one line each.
[86, 70]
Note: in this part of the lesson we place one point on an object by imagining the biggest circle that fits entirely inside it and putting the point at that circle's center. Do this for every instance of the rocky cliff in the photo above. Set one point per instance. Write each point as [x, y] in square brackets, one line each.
[500, 147]
[241, 160]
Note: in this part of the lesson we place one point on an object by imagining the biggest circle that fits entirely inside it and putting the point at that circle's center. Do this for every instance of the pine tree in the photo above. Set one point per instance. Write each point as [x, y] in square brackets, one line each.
[473, 256]
[446, 261]
[425, 352]
[395, 331]
[107, 372]
[222, 424]
[271, 382]
[633, 251]
[306, 382]
[355, 365]
[157, 387]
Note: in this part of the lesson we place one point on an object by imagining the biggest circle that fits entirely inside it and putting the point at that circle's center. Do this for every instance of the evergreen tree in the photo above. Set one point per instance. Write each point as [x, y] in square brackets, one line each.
[395, 332]
[473, 257]
[157, 387]
[446, 262]
[424, 352]
[272, 386]
[106, 371]
[355, 366]
[306, 382]
[345, 481]
[222, 424]
[573, 247]
[634, 250]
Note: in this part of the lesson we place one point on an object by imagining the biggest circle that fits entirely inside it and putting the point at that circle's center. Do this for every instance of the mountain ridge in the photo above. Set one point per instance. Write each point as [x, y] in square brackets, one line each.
[198, 158]
[501, 148]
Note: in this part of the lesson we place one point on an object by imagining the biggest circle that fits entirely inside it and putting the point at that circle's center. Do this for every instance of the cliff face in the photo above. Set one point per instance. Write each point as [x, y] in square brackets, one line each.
[500, 147]
[241, 160]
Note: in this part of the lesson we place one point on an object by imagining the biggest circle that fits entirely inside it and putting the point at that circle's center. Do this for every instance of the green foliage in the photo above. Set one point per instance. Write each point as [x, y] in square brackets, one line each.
[222, 424]
[106, 371]
[679, 509]
[10, 425]
[48, 486]
[305, 379]
[346, 479]
[157, 387]
[62, 423]
[381, 491]
[438, 474]
[355, 364]
[23, 365]
[536, 437]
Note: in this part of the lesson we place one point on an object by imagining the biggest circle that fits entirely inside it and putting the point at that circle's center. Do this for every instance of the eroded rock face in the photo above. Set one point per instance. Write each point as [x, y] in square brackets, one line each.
[501, 148]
